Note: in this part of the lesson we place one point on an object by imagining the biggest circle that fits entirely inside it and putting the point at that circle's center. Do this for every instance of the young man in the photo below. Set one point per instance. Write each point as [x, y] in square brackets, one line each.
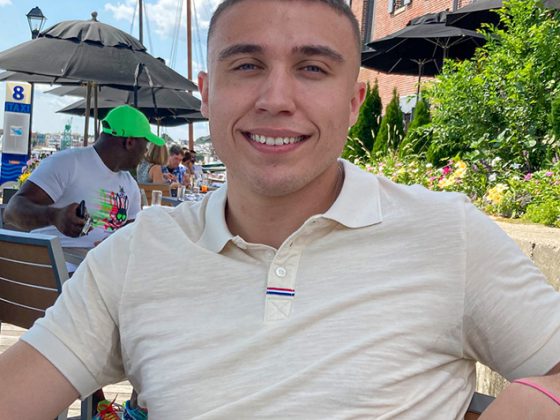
[314, 290]
[174, 171]
[99, 175]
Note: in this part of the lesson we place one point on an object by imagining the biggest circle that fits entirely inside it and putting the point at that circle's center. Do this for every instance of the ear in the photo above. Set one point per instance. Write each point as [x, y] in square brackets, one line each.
[358, 97]
[129, 143]
[203, 87]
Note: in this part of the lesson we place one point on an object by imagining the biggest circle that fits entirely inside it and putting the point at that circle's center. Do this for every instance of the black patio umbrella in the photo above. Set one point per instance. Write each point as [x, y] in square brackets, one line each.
[89, 50]
[34, 78]
[484, 11]
[94, 53]
[167, 101]
[421, 47]
[475, 14]
[174, 107]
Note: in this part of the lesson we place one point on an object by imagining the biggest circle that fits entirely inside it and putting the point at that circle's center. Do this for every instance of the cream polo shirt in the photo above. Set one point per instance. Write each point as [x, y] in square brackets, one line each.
[375, 309]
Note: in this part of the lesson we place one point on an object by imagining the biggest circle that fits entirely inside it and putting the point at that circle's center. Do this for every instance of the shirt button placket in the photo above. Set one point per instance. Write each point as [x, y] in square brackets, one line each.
[280, 293]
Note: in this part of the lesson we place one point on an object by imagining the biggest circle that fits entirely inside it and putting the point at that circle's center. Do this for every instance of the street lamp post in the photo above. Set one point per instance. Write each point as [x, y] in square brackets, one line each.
[36, 21]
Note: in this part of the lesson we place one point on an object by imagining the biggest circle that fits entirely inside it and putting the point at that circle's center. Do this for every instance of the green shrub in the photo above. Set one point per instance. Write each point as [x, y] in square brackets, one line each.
[361, 134]
[391, 130]
[546, 213]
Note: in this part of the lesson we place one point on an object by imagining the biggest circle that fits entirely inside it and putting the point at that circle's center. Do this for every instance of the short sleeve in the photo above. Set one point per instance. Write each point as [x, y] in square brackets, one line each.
[53, 174]
[511, 318]
[135, 204]
[79, 335]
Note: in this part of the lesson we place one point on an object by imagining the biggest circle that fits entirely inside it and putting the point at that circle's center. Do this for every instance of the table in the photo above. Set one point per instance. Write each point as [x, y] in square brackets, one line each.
[174, 201]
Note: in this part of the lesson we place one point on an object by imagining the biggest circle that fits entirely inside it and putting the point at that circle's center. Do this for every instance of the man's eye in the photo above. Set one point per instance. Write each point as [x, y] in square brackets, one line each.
[313, 69]
[246, 66]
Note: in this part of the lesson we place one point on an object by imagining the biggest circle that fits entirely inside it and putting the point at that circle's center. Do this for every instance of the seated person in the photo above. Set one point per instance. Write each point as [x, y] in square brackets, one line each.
[189, 168]
[174, 171]
[48, 202]
[150, 171]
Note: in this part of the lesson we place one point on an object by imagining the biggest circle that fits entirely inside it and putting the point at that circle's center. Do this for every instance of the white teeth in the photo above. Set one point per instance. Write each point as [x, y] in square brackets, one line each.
[275, 141]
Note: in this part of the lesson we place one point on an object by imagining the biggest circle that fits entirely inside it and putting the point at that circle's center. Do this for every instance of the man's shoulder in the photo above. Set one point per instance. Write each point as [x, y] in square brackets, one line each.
[164, 224]
[72, 153]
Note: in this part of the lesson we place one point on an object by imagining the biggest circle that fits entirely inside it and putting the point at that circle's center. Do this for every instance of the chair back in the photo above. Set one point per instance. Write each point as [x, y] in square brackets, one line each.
[148, 188]
[32, 271]
[478, 404]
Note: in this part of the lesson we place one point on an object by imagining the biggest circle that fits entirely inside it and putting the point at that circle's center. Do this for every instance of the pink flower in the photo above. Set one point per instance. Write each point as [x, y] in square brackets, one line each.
[446, 169]
[549, 173]
[528, 176]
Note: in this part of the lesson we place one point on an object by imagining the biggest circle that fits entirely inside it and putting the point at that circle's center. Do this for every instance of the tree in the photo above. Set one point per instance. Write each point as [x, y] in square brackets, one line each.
[391, 130]
[362, 133]
[417, 138]
[497, 105]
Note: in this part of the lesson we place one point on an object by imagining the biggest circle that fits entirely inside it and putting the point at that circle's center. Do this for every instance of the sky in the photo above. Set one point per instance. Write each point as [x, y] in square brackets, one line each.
[163, 37]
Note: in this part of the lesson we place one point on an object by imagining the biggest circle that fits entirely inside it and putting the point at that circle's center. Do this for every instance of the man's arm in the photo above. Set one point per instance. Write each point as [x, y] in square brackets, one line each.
[32, 208]
[30, 386]
[521, 402]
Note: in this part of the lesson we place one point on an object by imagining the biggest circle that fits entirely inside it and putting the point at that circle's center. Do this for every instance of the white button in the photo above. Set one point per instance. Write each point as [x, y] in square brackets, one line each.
[281, 272]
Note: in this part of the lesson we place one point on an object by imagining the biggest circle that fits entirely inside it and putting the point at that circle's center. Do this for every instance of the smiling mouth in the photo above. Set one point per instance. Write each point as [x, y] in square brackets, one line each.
[274, 141]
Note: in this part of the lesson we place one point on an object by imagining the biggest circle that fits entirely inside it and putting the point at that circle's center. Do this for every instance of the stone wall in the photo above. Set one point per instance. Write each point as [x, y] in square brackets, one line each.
[542, 245]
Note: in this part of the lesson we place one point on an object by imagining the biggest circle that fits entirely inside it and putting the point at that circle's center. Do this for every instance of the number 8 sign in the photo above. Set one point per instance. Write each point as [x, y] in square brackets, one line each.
[18, 92]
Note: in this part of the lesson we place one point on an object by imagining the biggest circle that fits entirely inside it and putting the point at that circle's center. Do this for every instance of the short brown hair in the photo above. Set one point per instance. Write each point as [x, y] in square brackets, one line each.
[338, 6]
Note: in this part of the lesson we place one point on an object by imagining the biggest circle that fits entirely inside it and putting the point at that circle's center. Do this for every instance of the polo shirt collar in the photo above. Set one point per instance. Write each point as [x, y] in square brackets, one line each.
[358, 204]
[216, 233]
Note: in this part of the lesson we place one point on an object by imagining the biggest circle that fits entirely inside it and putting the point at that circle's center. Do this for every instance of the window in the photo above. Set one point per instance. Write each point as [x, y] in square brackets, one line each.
[368, 20]
[393, 5]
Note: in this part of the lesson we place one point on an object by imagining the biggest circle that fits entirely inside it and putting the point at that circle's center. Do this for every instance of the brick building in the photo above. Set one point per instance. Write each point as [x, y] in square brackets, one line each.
[379, 18]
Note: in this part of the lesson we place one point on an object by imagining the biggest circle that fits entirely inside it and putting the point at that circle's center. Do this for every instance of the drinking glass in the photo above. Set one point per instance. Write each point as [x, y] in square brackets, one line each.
[156, 197]
[181, 192]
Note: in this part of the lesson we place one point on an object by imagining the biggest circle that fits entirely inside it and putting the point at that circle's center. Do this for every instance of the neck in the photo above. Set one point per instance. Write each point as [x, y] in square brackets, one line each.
[107, 155]
[271, 220]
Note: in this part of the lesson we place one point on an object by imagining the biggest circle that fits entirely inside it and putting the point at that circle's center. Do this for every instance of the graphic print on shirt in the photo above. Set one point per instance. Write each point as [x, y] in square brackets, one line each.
[113, 209]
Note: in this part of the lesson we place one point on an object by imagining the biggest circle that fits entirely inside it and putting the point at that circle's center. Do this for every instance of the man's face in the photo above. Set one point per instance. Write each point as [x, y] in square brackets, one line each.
[174, 160]
[280, 92]
[137, 151]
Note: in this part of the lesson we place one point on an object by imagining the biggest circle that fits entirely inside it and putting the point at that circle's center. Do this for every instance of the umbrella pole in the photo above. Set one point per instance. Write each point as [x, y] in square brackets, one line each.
[95, 111]
[88, 110]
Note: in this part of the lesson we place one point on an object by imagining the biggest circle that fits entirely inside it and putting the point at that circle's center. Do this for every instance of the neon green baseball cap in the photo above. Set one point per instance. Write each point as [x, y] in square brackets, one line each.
[127, 121]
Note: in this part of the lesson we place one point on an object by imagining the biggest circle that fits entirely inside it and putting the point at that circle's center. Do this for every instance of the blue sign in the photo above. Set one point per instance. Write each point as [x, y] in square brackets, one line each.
[17, 107]
[12, 165]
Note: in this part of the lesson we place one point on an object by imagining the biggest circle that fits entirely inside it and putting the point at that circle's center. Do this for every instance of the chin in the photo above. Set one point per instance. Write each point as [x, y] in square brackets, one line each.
[278, 188]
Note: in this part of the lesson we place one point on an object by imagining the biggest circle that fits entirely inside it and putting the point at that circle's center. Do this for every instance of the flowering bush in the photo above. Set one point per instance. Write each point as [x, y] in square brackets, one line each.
[497, 187]
[27, 169]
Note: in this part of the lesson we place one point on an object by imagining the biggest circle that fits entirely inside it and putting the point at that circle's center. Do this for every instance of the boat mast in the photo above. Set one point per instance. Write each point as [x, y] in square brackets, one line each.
[189, 66]
[140, 20]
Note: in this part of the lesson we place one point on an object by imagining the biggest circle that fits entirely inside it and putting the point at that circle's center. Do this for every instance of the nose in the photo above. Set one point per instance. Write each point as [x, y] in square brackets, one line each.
[276, 95]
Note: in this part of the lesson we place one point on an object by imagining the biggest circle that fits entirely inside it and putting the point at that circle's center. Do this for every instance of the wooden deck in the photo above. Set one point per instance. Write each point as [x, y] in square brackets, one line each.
[9, 334]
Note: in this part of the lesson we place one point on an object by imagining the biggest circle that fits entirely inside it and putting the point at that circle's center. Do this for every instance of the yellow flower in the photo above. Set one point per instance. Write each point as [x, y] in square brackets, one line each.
[446, 182]
[496, 194]
[23, 177]
[461, 169]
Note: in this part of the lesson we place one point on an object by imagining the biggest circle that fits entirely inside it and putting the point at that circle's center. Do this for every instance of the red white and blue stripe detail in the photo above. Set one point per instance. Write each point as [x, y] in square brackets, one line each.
[279, 291]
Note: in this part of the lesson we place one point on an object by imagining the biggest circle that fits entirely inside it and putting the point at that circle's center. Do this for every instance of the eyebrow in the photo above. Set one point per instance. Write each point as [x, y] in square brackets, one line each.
[307, 50]
[319, 50]
[239, 49]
